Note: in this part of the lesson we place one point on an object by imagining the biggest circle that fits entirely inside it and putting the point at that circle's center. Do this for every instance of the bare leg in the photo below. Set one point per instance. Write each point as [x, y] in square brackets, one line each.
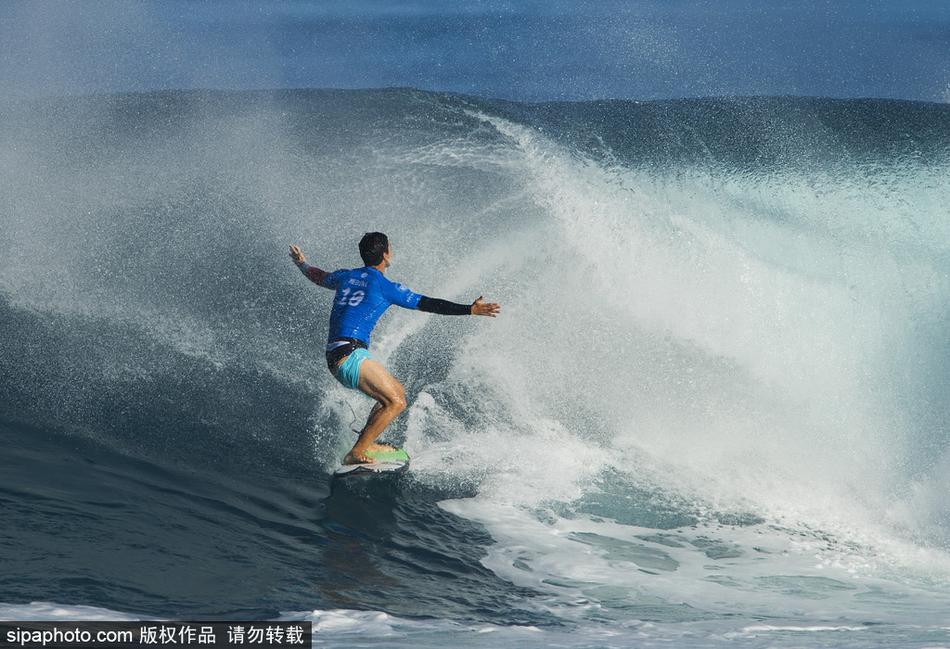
[379, 384]
[374, 446]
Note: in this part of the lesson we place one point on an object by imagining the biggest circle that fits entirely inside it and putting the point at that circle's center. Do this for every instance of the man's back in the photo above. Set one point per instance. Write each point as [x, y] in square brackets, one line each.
[362, 296]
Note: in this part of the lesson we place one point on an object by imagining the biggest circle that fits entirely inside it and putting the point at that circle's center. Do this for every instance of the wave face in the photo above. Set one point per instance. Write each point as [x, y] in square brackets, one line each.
[713, 408]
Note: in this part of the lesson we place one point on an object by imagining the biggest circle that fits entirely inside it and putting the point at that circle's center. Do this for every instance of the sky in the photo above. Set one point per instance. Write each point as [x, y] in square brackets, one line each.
[532, 51]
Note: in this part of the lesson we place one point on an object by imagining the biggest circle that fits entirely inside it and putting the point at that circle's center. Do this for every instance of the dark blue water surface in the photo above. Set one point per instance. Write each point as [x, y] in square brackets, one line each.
[87, 525]
[517, 50]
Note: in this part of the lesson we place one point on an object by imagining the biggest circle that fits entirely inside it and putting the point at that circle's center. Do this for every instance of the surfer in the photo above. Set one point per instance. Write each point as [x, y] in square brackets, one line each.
[362, 295]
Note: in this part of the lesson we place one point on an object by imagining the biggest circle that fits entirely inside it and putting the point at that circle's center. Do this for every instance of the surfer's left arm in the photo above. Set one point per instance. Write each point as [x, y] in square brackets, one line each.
[444, 307]
[401, 296]
[314, 274]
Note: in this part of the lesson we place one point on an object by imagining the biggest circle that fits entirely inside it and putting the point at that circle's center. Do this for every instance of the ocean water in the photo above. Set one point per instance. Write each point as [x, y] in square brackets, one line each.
[712, 412]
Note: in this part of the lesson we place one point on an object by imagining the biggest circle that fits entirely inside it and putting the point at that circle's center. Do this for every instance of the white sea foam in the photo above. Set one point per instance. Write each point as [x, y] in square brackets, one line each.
[668, 341]
[53, 611]
[349, 628]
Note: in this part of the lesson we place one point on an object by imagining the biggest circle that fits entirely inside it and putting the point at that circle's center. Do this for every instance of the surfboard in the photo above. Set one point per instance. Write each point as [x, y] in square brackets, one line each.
[386, 462]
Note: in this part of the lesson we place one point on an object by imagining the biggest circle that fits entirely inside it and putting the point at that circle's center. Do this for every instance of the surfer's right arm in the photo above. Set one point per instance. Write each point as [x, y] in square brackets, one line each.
[314, 274]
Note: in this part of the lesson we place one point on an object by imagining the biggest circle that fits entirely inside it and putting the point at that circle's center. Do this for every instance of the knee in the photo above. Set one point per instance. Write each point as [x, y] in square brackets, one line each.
[397, 401]
[399, 404]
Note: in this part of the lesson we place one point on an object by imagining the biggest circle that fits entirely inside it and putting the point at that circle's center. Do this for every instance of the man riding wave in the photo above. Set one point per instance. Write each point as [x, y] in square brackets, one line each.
[362, 296]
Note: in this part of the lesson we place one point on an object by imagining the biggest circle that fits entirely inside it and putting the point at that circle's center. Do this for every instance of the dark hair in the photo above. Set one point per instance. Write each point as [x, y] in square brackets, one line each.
[372, 247]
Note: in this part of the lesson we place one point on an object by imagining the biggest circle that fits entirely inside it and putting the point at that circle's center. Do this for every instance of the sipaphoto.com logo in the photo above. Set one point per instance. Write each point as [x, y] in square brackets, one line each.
[56, 635]
[151, 634]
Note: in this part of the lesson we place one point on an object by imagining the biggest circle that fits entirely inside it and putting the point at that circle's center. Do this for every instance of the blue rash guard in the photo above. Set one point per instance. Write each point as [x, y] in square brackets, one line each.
[362, 296]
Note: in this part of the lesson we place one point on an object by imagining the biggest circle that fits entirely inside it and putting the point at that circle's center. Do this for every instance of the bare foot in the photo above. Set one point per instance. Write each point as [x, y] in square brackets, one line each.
[381, 448]
[356, 457]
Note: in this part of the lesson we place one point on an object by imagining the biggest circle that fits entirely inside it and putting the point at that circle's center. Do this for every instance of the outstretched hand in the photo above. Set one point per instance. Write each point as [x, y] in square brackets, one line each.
[485, 308]
[296, 254]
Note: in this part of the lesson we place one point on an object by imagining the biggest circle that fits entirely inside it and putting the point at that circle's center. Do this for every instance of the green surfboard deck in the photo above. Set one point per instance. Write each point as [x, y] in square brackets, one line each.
[397, 455]
[394, 461]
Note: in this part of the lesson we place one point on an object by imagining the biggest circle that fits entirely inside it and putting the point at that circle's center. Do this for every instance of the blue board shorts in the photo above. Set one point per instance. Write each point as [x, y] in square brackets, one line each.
[348, 372]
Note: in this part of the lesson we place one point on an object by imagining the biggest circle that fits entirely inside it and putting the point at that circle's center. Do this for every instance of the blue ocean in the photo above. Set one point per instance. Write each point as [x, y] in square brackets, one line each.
[713, 411]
